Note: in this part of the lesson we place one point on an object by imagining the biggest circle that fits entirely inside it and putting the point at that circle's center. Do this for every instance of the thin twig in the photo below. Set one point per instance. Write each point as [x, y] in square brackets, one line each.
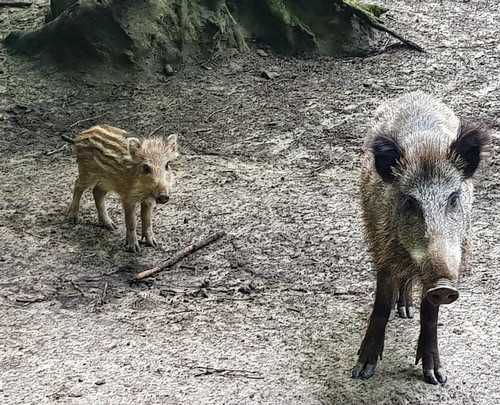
[255, 375]
[77, 288]
[181, 254]
[154, 130]
[87, 119]
[33, 300]
[215, 112]
[103, 296]
[52, 152]
[20, 4]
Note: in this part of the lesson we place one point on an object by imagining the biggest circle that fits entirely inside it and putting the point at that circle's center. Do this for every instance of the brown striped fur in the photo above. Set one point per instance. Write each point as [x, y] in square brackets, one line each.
[136, 169]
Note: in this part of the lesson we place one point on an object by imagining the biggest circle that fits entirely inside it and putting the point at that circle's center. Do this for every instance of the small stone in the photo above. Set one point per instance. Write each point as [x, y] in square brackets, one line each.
[269, 75]
[168, 70]
[261, 52]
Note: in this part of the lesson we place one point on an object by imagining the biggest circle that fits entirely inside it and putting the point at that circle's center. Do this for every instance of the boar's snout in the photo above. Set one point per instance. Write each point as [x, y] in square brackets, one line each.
[162, 198]
[444, 292]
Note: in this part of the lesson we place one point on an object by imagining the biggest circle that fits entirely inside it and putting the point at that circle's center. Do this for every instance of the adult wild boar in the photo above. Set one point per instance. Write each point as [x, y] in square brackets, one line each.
[416, 197]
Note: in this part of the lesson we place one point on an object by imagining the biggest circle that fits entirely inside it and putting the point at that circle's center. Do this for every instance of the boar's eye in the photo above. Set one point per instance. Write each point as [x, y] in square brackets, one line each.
[146, 169]
[167, 166]
[453, 199]
[410, 205]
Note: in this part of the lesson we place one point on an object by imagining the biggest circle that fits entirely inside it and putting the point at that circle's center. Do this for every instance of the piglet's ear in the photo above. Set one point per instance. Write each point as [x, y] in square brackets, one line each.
[173, 145]
[134, 144]
[469, 147]
[387, 153]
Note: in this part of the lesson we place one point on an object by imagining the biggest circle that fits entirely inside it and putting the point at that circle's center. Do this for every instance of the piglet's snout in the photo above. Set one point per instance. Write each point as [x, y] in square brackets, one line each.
[162, 198]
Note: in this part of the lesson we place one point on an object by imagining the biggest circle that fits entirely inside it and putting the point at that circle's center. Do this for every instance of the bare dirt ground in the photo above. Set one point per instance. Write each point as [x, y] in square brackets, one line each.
[274, 313]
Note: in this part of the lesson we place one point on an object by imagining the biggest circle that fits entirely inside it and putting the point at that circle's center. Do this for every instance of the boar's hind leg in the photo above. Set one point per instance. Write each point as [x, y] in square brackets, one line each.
[80, 186]
[130, 223]
[147, 228]
[102, 211]
[405, 300]
[373, 343]
[428, 345]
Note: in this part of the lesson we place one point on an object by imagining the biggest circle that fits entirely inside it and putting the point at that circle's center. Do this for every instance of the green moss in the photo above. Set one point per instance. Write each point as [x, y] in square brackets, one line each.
[372, 10]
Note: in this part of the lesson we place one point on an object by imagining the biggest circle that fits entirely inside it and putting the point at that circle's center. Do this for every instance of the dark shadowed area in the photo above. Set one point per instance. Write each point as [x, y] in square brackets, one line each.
[274, 312]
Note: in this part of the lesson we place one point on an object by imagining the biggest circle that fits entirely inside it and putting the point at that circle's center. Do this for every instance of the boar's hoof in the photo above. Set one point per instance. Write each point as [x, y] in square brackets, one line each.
[74, 220]
[162, 199]
[406, 312]
[363, 370]
[442, 294]
[435, 376]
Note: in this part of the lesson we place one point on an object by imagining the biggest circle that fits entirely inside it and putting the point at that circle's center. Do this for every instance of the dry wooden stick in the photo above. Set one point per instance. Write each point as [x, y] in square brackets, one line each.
[87, 119]
[20, 4]
[181, 254]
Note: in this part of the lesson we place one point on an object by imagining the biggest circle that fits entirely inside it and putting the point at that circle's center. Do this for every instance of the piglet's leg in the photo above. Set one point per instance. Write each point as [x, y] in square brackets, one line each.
[130, 223]
[146, 219]
[102, 211]
[80, 186]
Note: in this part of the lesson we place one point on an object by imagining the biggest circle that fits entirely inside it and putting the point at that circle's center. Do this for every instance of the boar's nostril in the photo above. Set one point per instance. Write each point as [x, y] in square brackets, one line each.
[162, 199]
[442, 295]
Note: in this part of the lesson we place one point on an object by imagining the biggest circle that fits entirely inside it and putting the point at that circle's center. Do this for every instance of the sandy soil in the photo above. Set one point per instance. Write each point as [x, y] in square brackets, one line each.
[275, 312]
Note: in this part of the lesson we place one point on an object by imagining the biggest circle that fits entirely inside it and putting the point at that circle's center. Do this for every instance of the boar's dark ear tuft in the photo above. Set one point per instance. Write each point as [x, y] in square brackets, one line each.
[386, 152]
[469, 147]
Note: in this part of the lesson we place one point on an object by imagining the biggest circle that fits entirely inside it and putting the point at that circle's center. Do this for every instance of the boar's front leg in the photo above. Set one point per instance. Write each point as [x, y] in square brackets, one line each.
[147, 228]
[373, 343]
[130, 223]
[428, 344]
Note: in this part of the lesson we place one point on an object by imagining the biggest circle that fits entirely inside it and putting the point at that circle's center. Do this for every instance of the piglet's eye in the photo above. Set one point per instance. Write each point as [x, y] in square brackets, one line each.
[167, 166]
[146, 169]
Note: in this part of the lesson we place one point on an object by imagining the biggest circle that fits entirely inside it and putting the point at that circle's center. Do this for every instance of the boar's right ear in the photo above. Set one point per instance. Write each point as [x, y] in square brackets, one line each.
[386, 152]
[134, 144]
[469, 147]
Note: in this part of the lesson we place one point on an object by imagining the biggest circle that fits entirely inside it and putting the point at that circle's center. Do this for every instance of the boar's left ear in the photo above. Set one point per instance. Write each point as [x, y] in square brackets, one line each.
[387, 153]
[469, 147]
[173, 145]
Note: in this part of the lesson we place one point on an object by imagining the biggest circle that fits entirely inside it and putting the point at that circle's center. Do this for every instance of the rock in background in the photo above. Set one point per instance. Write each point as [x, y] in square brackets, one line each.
[157, 34]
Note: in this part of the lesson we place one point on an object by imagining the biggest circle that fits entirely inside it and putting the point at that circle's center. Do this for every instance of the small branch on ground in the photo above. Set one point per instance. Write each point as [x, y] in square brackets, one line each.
[181, 254]
[86, 119]
[77, 288]
[52, 152]
[103, 296]
[375, 22]
[154, 131]
[20, 4]
[255, 375]
[67, 139]
[30, 300]
[215, 112]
